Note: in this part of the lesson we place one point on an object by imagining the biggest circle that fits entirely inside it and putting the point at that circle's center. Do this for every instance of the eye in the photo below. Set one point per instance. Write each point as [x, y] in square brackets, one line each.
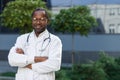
[34, 19]
[43, 19]
[39, 19]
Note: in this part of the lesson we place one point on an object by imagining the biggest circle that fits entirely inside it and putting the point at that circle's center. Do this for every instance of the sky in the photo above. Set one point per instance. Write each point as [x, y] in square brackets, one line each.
[82, 2]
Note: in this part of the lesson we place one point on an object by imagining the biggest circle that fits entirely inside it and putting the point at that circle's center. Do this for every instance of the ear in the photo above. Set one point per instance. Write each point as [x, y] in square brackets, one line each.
[47, 21]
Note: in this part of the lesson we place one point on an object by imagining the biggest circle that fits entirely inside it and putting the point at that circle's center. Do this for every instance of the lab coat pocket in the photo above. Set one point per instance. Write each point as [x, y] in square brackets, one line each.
[19, 77]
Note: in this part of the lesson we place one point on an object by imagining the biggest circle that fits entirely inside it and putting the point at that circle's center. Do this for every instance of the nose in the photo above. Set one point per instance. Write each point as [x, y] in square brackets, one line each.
[38, 22]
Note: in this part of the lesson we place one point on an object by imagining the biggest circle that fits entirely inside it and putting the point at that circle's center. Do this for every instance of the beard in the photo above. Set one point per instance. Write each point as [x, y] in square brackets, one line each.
[39, 30]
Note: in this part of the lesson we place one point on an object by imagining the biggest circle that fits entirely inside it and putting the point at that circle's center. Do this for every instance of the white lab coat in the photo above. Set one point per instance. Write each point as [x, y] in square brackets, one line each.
[42, 70]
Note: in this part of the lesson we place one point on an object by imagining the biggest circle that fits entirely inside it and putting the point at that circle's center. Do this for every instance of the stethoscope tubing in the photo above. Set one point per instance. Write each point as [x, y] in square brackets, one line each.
[48, 38]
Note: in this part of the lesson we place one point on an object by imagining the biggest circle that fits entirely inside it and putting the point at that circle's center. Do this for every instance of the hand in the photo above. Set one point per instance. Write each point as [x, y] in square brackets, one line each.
[29, 66]
[19, 51]
[40, 59]
[37, 59]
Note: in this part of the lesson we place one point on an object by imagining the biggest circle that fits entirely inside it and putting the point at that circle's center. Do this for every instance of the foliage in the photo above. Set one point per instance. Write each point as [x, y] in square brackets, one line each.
[88, 72]
[17, 14]
[105, 68]
[62, 75]
[10, 74]
[75, 19]
[111, 66]
[72, 20]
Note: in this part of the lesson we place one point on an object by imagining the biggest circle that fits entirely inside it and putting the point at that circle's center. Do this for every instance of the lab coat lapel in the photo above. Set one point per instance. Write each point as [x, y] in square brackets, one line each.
[32, 37]
[43, 35]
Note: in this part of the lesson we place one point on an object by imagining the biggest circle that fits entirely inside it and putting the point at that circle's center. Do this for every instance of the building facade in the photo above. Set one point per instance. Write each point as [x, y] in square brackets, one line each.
[109, 16]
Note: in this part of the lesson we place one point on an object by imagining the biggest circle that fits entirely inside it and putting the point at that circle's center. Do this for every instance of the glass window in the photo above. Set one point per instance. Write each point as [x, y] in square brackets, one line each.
[118, 28]
[112, 12]
[118, 11]
[111, 28]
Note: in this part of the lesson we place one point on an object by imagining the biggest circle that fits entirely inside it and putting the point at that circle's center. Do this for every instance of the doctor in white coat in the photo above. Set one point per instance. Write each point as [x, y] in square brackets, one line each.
[36, 54]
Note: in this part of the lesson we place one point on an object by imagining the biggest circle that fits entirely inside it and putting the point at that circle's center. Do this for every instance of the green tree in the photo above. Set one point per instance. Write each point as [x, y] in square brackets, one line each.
[17, 14]
[72, 20]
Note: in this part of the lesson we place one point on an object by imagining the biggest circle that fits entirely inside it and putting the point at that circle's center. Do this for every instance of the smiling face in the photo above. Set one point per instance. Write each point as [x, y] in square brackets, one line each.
[39, 21]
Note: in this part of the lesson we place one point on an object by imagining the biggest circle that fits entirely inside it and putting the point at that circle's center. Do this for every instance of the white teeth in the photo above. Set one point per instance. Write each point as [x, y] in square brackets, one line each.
[37, 26]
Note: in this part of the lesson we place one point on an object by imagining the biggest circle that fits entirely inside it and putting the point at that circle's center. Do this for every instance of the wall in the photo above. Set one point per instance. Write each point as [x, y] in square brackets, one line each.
[90, 43]
[86, 48]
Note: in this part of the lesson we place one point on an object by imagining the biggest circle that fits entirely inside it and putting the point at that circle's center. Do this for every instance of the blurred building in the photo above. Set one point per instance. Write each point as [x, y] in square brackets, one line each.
[107, 13]
[108, 16]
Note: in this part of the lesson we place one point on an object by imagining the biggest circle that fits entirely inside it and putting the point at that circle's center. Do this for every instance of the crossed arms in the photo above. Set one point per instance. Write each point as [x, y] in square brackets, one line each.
[36, 58]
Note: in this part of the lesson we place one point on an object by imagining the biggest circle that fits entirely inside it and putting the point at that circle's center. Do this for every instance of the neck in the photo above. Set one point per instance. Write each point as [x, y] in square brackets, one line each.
[38, 33]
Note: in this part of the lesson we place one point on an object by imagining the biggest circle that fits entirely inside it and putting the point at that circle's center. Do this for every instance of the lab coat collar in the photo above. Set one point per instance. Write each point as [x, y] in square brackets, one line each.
[44, 34]
[41, 36]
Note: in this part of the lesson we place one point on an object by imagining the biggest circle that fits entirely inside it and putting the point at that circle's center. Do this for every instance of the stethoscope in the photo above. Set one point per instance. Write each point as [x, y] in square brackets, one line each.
[44, 46]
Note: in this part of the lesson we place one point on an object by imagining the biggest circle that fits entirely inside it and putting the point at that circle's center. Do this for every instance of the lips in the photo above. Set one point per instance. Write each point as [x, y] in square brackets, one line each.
[38, 27]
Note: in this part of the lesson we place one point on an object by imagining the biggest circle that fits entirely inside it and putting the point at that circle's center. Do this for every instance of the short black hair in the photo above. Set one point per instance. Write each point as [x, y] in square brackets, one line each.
[40, 9]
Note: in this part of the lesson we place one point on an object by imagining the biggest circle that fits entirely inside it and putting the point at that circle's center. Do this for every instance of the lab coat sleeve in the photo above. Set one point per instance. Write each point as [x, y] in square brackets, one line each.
[54, 60]
[19, 60]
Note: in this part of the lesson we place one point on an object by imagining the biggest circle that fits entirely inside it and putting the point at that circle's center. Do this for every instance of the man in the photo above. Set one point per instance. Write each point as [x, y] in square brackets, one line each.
[37, 54]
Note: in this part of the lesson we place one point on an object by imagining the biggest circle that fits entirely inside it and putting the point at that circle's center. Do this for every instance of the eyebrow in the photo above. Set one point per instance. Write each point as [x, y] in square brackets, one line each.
[39, 18]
